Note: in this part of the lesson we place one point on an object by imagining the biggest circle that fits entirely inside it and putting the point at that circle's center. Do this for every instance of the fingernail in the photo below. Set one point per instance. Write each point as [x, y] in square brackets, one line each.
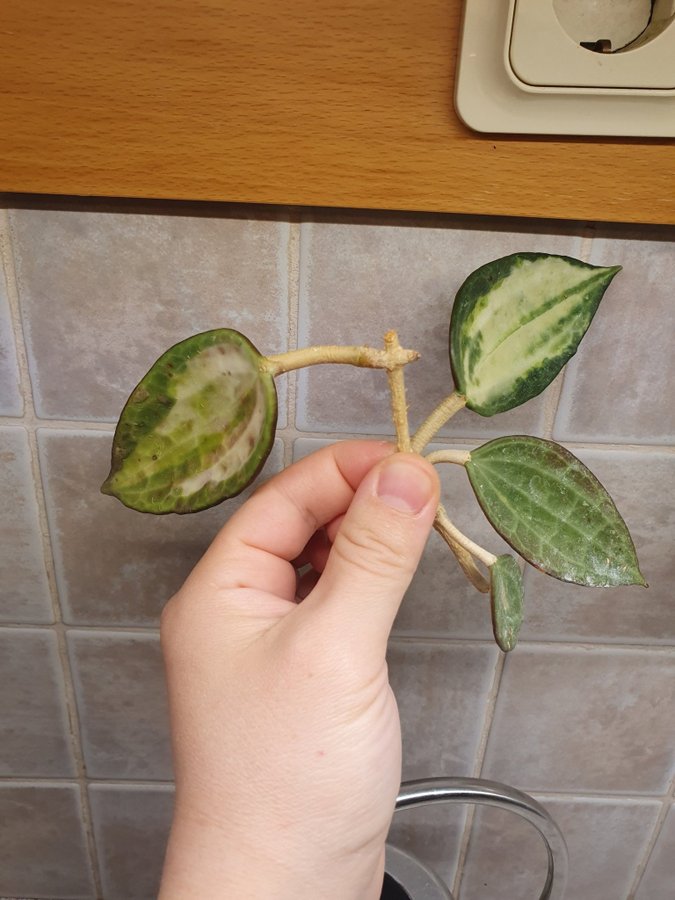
[405, 486]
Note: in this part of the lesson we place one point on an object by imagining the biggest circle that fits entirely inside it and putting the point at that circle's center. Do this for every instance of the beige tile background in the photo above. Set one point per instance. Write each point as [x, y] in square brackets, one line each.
[25, 590]
[131, 824]
[606, 839]
[34, 732]
[580, 714]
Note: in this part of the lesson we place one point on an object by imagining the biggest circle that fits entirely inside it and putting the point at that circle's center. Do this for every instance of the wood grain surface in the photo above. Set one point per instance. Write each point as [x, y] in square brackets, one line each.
[312, 102]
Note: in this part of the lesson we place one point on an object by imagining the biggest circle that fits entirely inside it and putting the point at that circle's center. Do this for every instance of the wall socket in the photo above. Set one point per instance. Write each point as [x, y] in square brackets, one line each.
[621, 44]
[568, 67]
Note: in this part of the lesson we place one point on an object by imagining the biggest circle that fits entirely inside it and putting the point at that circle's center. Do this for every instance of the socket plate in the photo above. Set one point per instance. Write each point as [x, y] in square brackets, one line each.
[489, 97]
[542, 54]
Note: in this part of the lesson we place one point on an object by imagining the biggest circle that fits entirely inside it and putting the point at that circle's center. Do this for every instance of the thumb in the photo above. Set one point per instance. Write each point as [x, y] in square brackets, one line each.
[377, 548]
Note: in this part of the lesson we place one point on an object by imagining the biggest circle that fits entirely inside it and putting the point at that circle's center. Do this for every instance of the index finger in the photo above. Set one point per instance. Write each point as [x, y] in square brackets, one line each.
[255, 548]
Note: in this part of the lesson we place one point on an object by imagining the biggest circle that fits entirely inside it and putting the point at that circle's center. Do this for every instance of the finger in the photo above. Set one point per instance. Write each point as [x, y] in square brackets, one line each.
[333, 527]
[256, 547]
[376, 551]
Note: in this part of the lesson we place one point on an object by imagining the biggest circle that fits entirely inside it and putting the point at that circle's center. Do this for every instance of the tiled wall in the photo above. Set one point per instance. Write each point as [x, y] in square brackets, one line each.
[581, 714]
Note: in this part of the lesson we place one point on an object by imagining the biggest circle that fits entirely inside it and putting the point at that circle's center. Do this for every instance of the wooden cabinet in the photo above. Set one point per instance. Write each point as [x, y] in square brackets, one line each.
[311, 102]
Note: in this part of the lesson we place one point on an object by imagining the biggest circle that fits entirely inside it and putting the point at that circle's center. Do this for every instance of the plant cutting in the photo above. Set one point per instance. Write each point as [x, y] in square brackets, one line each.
[200, 424]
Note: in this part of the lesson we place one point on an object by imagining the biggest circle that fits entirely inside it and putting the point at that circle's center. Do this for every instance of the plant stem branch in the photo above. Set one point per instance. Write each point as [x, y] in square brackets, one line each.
[458, 457]
[445, 410]
[445, 526]
[365, 357]
[465, 560]
[399, 407]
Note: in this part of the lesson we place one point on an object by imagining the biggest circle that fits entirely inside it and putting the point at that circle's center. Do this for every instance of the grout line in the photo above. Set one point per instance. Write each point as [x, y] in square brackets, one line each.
[78, 626]
[656, 832]
[461, 442]
[542, 795]
[69, 688]
[129, 629]
[57, 627]
[613, 447]
[666, 649]
[568, 641]
[33, 422]
[551, 404]
[586, 242]
[7, 262]
[478, 767]
[545, 795]
[301, 290]
[74, 782]
[294, 241]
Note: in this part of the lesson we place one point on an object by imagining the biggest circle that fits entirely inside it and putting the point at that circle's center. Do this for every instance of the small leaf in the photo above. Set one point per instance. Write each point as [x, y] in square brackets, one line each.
[506, 598]
[516, 322]
[553, 511]
[198, 427]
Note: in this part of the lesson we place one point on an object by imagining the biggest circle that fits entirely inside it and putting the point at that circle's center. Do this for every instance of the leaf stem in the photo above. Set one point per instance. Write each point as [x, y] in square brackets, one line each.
[449, 528]
[458, 457]
[399, 407]
[365, 357]
[464, 558]
[445, 410]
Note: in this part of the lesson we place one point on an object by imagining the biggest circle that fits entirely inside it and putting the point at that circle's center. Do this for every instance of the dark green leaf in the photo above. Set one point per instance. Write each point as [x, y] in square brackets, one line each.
[506, 597]
[197, 429]
[515, 323]
[553, 511]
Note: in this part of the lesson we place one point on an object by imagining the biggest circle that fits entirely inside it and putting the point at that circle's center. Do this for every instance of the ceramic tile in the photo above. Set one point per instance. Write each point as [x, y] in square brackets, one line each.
[24, 596]
[34, 731]
[620, 385]
[11, 401]
[441, 691]
[121, 699]
[440, 602]
[659, 876]
[432, 834]
[593, 719]
[358, 280]
[131, 826]
[115, 565]
[42, 844]
[558, 611]
[606, 839]
[104, 294]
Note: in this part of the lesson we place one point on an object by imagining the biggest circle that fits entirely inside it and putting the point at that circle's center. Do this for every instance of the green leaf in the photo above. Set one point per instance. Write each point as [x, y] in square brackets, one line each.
[506, 598]
[198, 427]
[515, 323]
[553, 511]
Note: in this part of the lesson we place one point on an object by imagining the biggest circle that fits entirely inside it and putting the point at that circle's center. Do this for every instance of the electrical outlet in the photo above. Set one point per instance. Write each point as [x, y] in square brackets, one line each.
[568, 67]
[620, 44]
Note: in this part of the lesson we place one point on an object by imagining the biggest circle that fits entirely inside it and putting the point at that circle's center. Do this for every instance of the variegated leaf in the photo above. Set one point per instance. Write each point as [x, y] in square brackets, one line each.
[198, 427]
[516, 322]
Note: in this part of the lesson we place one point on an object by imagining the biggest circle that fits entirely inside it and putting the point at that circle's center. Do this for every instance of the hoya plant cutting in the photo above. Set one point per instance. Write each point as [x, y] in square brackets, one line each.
[199, 426]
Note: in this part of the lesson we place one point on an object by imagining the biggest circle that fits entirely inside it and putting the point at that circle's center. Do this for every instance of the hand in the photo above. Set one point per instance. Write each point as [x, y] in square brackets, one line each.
[286, 735]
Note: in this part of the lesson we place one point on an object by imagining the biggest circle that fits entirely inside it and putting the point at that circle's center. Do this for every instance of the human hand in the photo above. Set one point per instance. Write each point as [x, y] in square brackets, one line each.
[286, 734]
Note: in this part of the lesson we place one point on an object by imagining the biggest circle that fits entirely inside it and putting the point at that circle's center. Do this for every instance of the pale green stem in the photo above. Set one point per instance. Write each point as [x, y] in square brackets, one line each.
[465, 560]
[480, 553]
[445, 410]
[457, 457]
[399, 407]
[365, 357]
